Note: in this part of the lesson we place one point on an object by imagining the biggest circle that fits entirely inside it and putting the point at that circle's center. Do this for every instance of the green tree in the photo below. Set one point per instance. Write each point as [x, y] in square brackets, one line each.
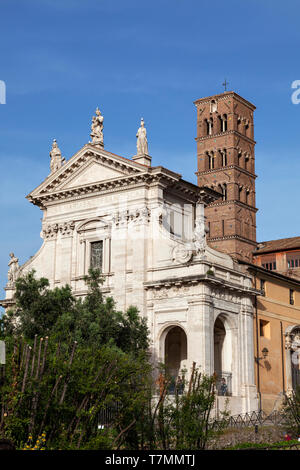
[61, 391]
[93, 321]
[68, 360]
[182, 420]
[37, 307]
[291, 410]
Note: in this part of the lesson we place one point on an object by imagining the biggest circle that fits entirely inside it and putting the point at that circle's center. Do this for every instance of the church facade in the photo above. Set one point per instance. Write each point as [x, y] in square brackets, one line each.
[145, 228]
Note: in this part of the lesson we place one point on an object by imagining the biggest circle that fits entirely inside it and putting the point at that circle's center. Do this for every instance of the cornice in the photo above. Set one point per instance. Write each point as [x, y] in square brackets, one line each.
[231, 237]
[53, 193]
[187, 190]
[228, 167]
[205, 262]
[222, 134]
[109, 184]
[223, 97]
[254, 268]
[6, 303]
[73, 196]
[197, 279]
[234, 202]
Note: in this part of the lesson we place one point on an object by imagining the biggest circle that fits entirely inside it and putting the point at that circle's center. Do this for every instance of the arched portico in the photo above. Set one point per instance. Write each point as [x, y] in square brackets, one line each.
[224, 346]
[173, 344]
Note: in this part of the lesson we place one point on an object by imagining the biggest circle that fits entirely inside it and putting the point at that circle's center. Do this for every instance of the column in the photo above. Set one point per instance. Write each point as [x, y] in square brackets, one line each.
[200, 333]
[246, 353]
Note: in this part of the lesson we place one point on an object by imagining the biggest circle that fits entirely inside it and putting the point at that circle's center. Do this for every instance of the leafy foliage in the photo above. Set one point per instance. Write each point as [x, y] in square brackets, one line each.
[180, 421]
[93, 321]
[70, 361]
[37, 307]
[291, 409]
[264, 445]
[59, 392]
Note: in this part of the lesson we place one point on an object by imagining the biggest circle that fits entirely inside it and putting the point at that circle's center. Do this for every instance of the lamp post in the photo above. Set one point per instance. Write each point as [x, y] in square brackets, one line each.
[265, 353]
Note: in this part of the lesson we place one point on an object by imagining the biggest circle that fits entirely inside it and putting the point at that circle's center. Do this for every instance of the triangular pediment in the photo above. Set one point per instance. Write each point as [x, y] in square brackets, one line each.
[94, 172]
[91, 165]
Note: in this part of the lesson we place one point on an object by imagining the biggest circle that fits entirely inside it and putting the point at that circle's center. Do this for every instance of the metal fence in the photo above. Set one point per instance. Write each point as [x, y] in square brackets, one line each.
[223, 384]
[107, 415]
[251, 419]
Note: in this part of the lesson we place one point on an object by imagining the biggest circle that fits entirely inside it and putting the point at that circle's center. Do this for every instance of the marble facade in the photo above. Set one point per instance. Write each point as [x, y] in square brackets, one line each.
[198, 302]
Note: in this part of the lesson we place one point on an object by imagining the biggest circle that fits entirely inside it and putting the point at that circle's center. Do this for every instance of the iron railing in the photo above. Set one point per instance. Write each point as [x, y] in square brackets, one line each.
[108, 414]
[250, 419]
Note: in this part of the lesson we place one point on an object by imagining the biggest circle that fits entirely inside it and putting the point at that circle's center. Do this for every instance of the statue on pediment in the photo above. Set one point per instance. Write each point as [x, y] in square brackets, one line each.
[56, 158]
[14, 269]
[200, 232]
[97, 128]
[142, 143]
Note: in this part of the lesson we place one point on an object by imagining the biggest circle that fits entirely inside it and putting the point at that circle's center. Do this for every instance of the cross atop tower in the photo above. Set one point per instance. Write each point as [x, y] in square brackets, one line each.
[225, 84]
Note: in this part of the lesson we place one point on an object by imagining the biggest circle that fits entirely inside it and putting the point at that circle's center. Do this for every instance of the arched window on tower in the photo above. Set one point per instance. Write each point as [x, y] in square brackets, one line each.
[213, 106]
[224, 157]
[223, 190]
[247, 196]
[211, 160]
[209, 126]
[247, 162]
[240, 192]
[220, 124]
[224, 123]
[240, 158]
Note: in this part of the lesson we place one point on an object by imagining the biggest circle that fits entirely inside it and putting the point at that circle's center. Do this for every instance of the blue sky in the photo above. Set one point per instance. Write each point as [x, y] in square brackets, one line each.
[62, 58]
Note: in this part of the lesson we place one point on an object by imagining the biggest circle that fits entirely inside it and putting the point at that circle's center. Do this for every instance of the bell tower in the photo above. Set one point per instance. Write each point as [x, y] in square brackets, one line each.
[226, 163]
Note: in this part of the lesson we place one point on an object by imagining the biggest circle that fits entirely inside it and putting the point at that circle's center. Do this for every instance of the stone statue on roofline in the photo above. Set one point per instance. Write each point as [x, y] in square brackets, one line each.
[97, 129]
[142, 143]
[56, 161]
[14, 269]
[200, 232]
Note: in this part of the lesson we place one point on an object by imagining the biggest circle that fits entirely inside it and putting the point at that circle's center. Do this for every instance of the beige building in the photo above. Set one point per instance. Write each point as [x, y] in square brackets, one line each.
[282, 256]
[144, 227]
[276, 336]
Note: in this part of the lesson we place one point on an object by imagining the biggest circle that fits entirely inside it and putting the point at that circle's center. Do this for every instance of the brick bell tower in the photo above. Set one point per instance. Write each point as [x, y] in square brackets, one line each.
[226, 163]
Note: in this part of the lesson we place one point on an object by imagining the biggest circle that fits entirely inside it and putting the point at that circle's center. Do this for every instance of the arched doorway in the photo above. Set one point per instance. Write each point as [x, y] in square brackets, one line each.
[223, 356]
[175, 350]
